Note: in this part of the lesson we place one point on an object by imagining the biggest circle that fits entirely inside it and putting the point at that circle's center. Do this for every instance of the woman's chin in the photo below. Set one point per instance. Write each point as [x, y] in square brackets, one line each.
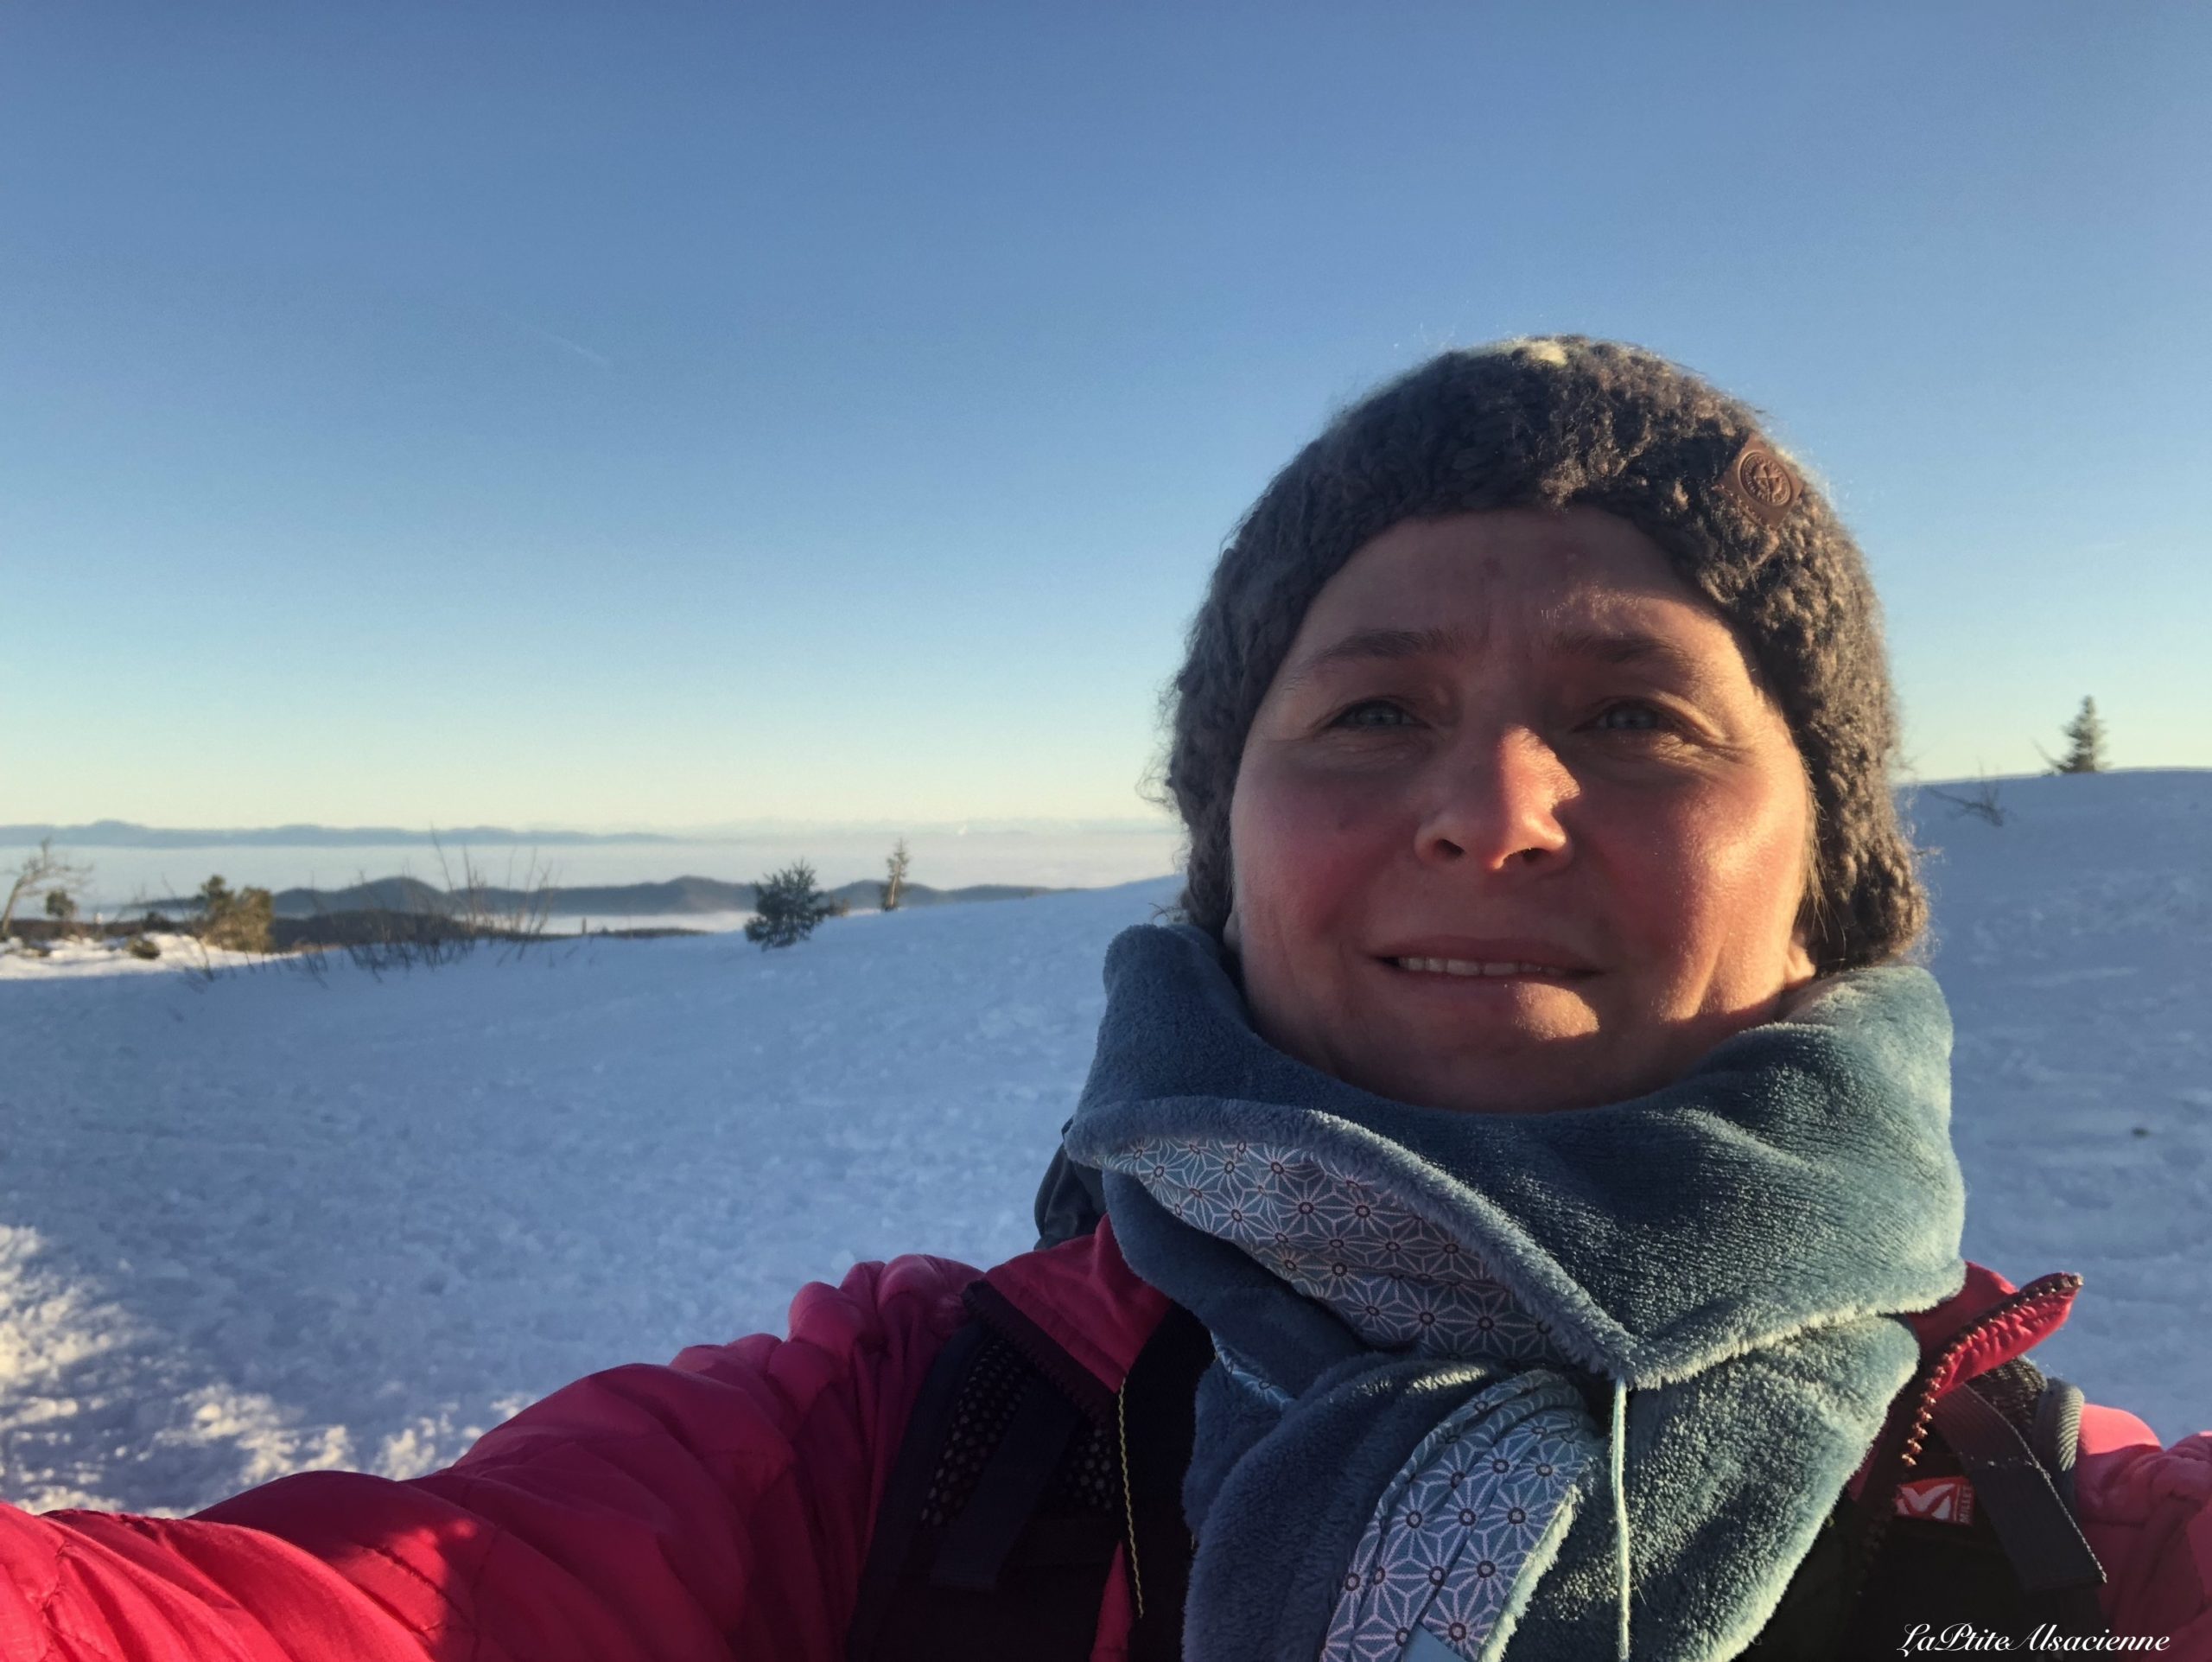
[1533, 1069]
[1503, 1044]
[1466, 1020]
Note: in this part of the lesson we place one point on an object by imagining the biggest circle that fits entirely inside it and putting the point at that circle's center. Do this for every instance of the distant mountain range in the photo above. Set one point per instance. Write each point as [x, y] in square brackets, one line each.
[122, 834]
[612, 902]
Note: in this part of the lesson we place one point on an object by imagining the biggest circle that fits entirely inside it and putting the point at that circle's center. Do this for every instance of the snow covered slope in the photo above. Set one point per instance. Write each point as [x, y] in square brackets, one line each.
[2075, 944]
[260, 1224]
[255, 1224]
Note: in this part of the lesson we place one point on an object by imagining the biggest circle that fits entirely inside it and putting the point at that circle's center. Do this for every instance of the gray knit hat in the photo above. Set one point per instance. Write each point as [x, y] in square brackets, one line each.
[1545, 423]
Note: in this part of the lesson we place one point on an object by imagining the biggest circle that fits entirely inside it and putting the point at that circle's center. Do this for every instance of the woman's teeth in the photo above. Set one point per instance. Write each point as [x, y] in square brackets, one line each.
[1469, 966]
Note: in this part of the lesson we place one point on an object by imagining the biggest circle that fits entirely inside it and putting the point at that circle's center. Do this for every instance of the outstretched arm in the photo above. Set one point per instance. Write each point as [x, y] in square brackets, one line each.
[2147, 1513]
[716, 1508]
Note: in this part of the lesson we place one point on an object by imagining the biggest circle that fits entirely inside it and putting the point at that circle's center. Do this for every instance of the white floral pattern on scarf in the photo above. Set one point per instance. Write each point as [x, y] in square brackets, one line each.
[1460, 1523]
[1395, 1277]
[1458, 1526]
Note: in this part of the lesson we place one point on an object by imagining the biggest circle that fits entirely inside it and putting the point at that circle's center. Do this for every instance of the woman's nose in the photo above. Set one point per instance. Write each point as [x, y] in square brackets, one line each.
[1496, 801]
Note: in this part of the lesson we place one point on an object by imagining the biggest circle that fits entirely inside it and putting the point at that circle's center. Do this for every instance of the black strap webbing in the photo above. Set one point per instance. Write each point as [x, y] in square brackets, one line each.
[2056, 1438]
[1013, 1571]
[1160, 1405]
[898, 1515]
[2032, 1520]
[1012, 1482]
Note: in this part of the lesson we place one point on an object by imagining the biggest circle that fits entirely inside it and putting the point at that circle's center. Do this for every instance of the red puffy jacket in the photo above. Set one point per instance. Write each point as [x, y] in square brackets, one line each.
[720, 1507]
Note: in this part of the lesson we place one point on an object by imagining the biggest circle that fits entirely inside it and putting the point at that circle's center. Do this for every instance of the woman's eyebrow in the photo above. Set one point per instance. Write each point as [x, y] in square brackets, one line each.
[1623, 648]
[1366, 645]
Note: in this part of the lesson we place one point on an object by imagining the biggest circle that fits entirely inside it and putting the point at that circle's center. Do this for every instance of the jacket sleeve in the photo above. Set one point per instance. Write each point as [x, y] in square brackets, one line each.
[2147, 1513]
[718, 1508]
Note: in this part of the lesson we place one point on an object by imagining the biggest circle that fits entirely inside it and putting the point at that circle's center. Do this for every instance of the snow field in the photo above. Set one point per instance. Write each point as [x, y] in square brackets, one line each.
[2075, 945]
[258, 1224]
[82, 957]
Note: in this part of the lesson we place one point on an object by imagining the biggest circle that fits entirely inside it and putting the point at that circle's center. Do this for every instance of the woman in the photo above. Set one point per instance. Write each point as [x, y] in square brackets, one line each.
[1511, 1215]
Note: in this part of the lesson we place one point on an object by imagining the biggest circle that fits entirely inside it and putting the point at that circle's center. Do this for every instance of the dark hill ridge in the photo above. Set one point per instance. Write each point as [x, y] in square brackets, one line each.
[677, 896]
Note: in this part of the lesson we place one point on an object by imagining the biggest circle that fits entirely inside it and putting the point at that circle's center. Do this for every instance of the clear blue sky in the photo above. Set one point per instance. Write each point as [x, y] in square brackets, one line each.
[664, 415]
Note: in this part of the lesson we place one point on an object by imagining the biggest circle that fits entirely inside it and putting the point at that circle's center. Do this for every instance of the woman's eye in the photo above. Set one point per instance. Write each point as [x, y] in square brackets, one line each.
[1637, 717]
[1372, 712]
[1630, 718]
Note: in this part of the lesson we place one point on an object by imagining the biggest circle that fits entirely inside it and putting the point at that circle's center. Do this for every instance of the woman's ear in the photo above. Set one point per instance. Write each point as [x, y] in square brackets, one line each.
[1232, 936]
[1799, 980]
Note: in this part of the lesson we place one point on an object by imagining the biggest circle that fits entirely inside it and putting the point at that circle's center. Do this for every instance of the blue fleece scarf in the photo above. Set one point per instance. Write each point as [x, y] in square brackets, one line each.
[1584, 1382]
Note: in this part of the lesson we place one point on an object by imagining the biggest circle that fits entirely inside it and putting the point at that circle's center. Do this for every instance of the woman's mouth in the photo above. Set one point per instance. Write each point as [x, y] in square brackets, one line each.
[1484, 967]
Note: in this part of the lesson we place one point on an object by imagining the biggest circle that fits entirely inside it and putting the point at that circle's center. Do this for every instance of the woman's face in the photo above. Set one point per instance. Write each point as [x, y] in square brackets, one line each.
[1514, 829]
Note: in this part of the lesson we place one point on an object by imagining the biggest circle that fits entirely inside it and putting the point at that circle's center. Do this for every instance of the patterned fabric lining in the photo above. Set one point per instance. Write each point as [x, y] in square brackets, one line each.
[1250, 1377]
[1454, 1534]
[1396, 1278]
[1459, 1523]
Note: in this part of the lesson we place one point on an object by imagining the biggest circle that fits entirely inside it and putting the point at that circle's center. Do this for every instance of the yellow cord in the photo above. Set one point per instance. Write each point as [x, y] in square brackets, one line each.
[1129, 1500]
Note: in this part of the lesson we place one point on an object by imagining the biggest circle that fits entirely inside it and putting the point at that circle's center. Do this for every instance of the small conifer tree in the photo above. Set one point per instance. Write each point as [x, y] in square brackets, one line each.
[786, 905]
[2085, 742]
[240, 920]
[895, 889]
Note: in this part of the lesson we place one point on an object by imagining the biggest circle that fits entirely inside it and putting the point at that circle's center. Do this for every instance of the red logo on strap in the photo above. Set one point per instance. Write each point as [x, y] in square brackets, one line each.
[1940, 1499]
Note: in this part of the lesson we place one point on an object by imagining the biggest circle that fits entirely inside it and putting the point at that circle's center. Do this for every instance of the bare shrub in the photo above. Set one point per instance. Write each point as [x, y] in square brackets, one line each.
[521, 922]
[43, 872]
[444, 928]
[1981, 800]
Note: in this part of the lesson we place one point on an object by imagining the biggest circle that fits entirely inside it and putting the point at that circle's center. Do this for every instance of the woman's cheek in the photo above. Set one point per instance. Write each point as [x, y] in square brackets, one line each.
[1666, 883]
[1731, 902]
[1311, 839]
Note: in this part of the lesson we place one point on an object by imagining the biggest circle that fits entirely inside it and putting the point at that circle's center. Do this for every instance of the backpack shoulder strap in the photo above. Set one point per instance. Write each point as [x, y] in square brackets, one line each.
[1011, 1493]
[2056, 1436]
[2021, 1465]
[906, 1493]
[1989, 1539]
[1158, 1429]
[2008, 1555]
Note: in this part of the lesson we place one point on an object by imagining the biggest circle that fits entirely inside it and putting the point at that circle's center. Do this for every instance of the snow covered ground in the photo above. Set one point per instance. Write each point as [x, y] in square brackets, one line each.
[2075, 947]
[83, 958]
[257, 1223]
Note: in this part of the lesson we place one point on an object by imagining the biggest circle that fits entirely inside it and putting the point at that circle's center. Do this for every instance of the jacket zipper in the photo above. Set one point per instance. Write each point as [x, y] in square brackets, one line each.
[2061, 1286]
[1881, 1489]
